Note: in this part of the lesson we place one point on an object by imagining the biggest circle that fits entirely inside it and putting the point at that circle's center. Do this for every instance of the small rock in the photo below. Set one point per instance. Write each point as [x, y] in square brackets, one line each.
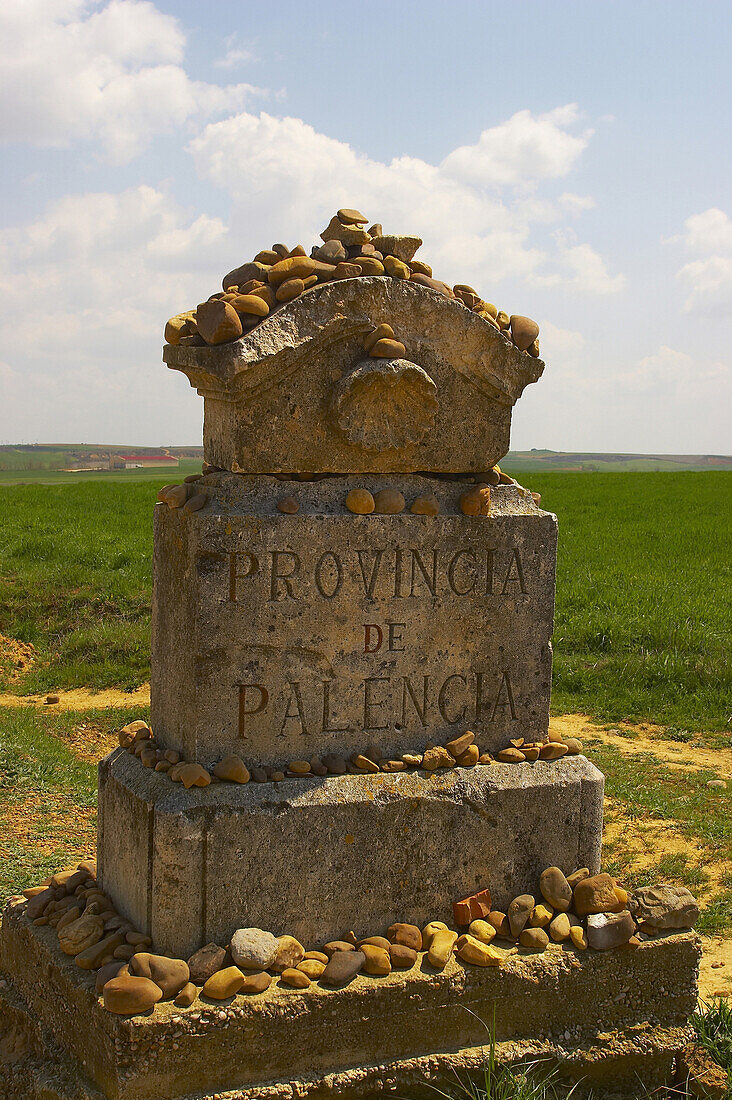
[91, 958]
[535, 939]
[389, 502]
[419, 267]
[381, 332]
[289, 953]
[253, 305]
[335, 764]
[259, 775]
[105, 974]
[393, 766]
[360, 501]
[555, 889]
[519, 912]
[441, 948]
[501, 924]
[458, 745]
[560, 928]
[482, 930]
[552, 751]
[294, 267]
[363, 763]
[524, 331]
[469, 758]
[470, 950]
[194, 775]
[317, 956]
[510, 756]
[377, 961]
[578, 937]
[51, 699]
[426, 504]
[253, 948]
[217, 322]
[541, 916]
[412, 759]
[437, 757]
[369, 265]
[289, 289]
[409, 935]
[388, 349]
[81, 933]
[596, 894]
[396, 268]
[288, 505]
[608, 930]
[331, 948]
[299, 767]
[401, 246]
[347, 234]
[312, 968]
[255, 983]
[577, 876]
[233, 769]
[402, 957]
[342, 968]
[187, 996]
[717, 784]
[298, 979]
[664, 907]
[476, 501]
[169, 974]
[432, 284]
[349, 216]
[346, 271]
[332, 252]
[206, 962]
[129, 996]
[430, 930]
[374, 941]
[223, 984]
[317, 767]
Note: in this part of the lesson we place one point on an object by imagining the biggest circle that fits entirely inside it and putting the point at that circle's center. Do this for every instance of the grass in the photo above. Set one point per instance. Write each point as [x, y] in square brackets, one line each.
[712, 1025]
[644, 584]
[48, 791]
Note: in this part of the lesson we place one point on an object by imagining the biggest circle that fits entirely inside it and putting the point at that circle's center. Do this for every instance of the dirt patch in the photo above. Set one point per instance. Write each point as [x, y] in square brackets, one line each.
[634, 739]
[715, 971]
[16, 658]
[87, 741]
[81, 699]
[47, 831]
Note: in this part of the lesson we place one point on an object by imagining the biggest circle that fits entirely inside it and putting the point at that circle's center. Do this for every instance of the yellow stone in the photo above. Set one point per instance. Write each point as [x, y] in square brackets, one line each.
[294, 267]
[296, 978]
[482, 931]
[476, 501]
[425, 505]
[194, 775]
[250, 303]
[223, 984]
[471, 950]
[441, 948]
[360, 502]
[183, 324]
[378, 963]
[233, 768]
[560, 928]
[578, 937]
[388, 349]
[541, 916]
[430, 930]
[381, 332]
[312, 967]
[389, 502]
[289, 289]
[396, 268]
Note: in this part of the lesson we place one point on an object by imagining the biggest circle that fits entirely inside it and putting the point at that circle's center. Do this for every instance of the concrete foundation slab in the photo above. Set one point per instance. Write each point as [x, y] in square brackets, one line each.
[315, 857]
[612, 1018]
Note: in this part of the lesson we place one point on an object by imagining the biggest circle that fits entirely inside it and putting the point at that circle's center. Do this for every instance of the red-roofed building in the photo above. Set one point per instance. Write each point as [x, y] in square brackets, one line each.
[138, 462]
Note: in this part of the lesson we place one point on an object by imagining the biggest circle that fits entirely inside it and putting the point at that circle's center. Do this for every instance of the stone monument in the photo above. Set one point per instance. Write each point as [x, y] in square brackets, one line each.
[352, 619]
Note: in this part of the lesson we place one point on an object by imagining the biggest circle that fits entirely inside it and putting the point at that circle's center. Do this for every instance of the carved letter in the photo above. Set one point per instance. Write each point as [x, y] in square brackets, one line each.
[395, 636]
[398, 574]
[508, 701]
[470, 554]
[327, 728]
[442, 705]
[251, 567]
[367, 646]
[429, 579]
[299, 714]
[244, 711]
[519, 577]
[319, 575]
[370, 584]
[274, 594]
[407, 689]
[369, 703]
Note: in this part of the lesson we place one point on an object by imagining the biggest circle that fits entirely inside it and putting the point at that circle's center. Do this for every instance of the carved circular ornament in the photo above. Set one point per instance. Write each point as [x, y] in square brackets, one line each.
[385, 404]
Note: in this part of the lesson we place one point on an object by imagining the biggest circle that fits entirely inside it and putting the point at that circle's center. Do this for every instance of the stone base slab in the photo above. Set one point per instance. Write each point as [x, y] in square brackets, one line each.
[612, 1019]
[317, 857]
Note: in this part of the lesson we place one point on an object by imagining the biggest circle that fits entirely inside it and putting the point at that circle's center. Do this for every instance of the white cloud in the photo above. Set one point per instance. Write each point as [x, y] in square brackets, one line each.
[473, 209]
[112, 75]
[236, 53]
[522, 150]
[708, 278]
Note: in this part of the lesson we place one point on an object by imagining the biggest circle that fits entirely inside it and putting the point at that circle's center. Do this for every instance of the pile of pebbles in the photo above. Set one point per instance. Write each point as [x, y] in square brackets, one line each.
[579, 911]
[349, 250]
[459, 752]
[475, 501]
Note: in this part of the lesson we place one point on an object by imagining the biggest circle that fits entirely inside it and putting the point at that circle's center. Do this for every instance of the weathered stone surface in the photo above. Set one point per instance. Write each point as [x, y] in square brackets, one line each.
[324, 632]
[159, 842]
[608, 930]
[285, 372]
[664, 906]
[253, 948]
[336, 1033]
[205, 962]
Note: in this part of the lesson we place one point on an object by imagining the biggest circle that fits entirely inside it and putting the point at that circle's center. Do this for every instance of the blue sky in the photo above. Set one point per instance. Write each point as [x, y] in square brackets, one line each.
[569, 160]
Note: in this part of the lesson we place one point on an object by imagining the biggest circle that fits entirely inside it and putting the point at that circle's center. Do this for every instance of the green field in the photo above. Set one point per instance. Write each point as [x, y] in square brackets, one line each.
[644, 588]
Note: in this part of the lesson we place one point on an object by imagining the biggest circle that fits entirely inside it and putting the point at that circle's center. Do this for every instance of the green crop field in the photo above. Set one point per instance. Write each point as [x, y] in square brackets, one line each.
[644, 588]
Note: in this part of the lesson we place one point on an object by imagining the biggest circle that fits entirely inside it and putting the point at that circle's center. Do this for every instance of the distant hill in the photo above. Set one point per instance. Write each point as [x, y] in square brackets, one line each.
[88, 458]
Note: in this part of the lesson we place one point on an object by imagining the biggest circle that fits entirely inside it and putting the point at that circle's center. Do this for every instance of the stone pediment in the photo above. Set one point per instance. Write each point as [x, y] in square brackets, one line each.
[299, 392]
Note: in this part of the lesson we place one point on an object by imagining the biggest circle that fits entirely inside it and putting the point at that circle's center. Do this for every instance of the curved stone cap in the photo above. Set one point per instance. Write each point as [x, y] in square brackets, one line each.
[274, 398]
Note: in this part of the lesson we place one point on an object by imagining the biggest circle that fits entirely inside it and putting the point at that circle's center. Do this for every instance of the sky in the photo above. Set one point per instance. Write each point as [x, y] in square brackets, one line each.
[570, 160]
